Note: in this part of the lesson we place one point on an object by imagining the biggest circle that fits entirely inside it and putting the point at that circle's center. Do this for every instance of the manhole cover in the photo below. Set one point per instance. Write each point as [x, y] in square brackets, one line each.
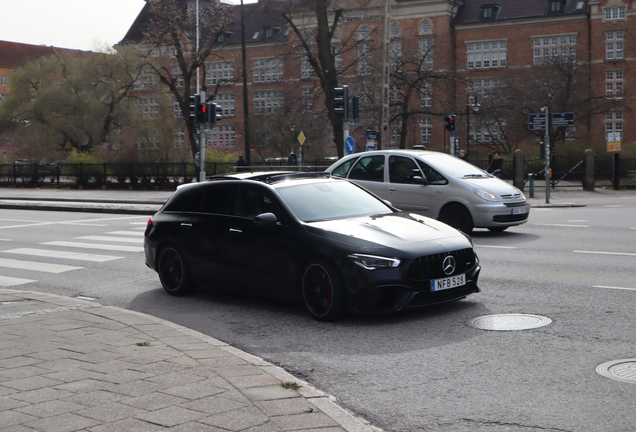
[509, 322]
[619, 370]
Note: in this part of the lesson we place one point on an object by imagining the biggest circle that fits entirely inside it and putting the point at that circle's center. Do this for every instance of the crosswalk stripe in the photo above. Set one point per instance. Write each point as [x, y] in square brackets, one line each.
[9, 281]
[95, 246]
[36, 266]
[62, 254]
[135, 233]
[115, 239]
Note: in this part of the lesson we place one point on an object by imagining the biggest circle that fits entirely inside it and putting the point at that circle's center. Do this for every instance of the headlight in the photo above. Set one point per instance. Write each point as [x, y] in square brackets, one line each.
[371, 262]
[485, 195]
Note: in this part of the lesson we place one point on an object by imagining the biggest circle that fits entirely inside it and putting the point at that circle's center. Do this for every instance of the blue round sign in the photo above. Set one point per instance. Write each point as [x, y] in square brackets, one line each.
[350, 145]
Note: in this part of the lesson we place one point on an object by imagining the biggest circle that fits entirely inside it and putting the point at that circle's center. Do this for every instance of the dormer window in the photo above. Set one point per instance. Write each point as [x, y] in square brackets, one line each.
[556, 7]
[223, 37]
[489, 13]
[271, 32]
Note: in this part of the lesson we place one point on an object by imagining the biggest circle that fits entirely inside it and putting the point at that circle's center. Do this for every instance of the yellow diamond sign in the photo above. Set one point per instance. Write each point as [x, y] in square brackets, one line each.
[301, 138]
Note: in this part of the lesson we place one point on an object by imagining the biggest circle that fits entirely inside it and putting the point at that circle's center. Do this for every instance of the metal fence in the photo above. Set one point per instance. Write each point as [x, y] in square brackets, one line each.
[130, 175]
[567, 172]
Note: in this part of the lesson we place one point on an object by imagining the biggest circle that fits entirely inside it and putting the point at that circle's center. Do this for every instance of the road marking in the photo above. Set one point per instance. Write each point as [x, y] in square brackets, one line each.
[498, 247]
[136, 233]
[61, 254]
[9, 281]
[114, 239]
[614, 205]
[36, 266]
[613, 287]
[606, 253]
[85, 221]
[575, 220]
[95, 246]
[562, 225]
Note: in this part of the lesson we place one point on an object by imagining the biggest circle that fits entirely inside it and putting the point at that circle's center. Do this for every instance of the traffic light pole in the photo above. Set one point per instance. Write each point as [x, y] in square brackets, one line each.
[547, 154]
[202, 145]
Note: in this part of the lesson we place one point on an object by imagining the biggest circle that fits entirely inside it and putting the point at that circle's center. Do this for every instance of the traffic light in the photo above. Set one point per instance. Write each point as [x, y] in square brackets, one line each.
[355, 101]
[342, 101]
[195, 101]
[450, 123]
[214, 113]
[202, 112]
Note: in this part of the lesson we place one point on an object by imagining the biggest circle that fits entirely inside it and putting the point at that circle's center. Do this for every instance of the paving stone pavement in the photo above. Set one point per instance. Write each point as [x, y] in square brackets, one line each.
[68, 364]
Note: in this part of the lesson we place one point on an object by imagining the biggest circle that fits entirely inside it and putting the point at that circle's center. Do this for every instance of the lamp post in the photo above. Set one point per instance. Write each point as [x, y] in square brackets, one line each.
[473, 105]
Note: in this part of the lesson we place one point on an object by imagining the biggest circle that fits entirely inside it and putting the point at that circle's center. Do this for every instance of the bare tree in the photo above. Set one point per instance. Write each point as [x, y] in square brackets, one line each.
[171, 47]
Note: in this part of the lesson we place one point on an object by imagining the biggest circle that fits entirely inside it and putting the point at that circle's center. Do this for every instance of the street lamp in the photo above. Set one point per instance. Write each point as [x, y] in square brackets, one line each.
[471, 105]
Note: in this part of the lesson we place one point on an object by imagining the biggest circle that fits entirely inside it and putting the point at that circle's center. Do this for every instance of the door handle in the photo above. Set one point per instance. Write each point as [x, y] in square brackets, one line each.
[392, 189]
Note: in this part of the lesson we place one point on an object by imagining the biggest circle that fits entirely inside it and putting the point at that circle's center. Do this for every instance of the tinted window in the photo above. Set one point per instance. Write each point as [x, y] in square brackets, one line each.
[343, 169]
[216, 200]
[251, 202]
[369, 168]
[183, 198]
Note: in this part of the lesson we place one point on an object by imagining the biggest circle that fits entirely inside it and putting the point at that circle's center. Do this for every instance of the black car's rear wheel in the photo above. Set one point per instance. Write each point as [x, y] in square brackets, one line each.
[457, 216]
[322, 291]
[173, 271]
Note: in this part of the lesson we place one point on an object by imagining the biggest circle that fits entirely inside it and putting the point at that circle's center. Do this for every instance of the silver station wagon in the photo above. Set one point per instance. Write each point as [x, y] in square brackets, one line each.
[437, 185]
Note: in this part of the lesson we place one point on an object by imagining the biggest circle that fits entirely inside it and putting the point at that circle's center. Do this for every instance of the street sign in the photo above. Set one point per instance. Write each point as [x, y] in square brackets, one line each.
[537, 121]
[301, 138]
[562, 119]
[350, 145]
[613, 142]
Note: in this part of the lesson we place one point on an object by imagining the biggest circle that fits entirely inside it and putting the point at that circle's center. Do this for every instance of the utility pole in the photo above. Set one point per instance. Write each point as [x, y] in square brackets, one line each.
[385, 74]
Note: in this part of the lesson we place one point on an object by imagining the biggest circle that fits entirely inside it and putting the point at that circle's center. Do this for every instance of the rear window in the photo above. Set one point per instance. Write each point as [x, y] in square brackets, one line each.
[182, 199]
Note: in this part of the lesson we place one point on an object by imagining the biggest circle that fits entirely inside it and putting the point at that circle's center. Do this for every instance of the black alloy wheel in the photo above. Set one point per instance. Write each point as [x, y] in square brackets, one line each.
[322, 292]
[457, 216]
[173, 271]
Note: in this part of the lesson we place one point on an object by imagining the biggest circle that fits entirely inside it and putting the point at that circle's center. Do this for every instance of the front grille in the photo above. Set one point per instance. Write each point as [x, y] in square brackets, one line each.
[516, 204]
[511, 196]
[510, 218]
[430, 266]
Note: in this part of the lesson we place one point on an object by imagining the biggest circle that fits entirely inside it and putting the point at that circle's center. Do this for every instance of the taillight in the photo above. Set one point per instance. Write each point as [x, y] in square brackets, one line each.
[149, 222]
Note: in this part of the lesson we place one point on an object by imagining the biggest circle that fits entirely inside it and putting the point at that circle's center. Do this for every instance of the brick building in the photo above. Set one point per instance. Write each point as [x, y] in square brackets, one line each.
[489, 62]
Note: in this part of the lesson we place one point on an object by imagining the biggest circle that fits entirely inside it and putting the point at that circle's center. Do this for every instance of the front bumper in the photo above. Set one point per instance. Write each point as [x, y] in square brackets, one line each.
[501, 214]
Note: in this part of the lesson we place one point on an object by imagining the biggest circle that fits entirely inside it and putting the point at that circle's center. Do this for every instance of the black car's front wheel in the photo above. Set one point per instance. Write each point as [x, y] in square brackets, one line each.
[173, 271]
[322, 292]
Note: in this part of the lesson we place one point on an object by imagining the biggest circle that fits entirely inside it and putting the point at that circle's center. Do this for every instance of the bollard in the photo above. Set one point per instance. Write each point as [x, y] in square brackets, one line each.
[531, 184]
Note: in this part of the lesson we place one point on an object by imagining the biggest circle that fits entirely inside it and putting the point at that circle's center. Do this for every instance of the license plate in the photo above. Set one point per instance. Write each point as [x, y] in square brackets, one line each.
[448, 283]
[519, 210]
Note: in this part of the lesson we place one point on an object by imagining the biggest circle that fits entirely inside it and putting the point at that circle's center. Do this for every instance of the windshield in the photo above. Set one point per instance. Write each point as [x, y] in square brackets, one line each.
[455, 167]
[314, 202]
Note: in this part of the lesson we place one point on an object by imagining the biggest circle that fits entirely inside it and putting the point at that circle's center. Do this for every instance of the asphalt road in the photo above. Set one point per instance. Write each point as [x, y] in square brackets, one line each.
[425, 370]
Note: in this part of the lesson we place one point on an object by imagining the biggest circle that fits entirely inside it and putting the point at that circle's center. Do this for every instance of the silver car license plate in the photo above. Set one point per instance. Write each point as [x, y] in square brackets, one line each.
[519, 210]
[448, 283]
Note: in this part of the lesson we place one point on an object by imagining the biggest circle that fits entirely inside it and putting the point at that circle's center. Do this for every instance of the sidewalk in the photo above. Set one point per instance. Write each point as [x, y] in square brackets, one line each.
[68, 364]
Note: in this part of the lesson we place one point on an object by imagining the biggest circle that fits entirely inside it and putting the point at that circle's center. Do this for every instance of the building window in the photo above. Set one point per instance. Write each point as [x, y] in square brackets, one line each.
[426, 95]
[226, 102]
[395, 49]
[176, 109]
[488, 13]
[394, 29]
[177, 77]
[556, 6]
[614, 123]
[147, 108]
[486, 55]
[266, 102]
[179, 138]
[363, 32]
[337, 52]
[562, 47]
[308, 99]
[4, 81]
[268, 70]
[614, 81]
[614, 45]
[425, 46]
[306, 69]
[219, 72]
[426, 129]
[615, 13]
[364, 59]
[483, 87]
[425, 27]
[222, 136]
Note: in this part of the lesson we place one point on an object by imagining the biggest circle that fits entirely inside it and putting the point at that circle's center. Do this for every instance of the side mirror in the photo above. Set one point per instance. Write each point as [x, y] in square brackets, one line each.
[265, 220]
[420, 180]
